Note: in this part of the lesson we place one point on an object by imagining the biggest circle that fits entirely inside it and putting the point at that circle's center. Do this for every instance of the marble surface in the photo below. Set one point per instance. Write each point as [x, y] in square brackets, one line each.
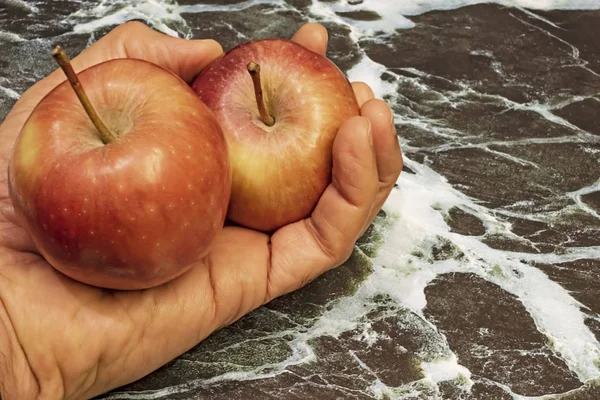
[481, 277]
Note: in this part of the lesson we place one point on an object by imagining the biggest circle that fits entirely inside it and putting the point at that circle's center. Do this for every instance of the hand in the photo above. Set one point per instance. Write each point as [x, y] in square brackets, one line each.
[60, 339]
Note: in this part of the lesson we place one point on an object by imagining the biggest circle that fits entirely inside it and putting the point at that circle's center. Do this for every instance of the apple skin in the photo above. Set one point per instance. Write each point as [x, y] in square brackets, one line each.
[136, 212]
[279, 172]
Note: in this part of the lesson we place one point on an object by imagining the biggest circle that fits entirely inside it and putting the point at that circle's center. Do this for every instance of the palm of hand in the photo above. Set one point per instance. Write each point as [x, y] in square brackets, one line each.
[77, 341]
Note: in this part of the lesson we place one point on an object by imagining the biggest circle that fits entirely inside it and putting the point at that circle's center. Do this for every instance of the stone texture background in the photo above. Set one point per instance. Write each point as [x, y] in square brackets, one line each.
[502, 103]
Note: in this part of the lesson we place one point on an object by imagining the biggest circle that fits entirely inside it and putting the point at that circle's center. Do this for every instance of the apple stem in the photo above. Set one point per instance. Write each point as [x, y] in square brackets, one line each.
[254, 70]
[63, 61]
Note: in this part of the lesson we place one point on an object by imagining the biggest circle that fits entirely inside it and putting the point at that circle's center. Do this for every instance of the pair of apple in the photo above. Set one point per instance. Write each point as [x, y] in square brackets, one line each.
[129, 190]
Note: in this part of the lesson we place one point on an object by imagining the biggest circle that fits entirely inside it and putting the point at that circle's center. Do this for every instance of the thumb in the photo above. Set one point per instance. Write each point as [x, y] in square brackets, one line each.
[306, 249]
[345, 205]
[186, 58]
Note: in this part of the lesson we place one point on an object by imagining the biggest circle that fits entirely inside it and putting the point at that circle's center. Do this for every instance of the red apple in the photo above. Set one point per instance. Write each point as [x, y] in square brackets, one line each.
[132, 196]
[280, 168]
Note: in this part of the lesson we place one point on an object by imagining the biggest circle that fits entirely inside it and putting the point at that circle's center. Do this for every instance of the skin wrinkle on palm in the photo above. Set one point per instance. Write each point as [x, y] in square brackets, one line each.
[445, 294]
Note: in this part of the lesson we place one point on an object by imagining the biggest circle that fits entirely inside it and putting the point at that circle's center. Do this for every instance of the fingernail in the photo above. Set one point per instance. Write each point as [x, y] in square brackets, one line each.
[391, 116]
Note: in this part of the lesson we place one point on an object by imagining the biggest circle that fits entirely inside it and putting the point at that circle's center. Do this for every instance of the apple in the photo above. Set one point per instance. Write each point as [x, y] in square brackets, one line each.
[280, 106]
[127, 193]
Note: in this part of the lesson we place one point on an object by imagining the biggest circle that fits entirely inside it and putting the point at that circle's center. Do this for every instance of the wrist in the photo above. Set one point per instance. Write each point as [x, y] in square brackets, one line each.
[16, 378]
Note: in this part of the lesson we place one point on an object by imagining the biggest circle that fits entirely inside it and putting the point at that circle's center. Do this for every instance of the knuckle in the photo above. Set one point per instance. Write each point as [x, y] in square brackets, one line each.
[128, 28]
[351, 169]
[342, 253]
[135, 24]
[346, 253]
[339, 250]
[306, 279]
[330, 247]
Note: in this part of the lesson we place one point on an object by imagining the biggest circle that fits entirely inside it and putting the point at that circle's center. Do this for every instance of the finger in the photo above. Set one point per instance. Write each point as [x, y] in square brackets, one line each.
[362, 92]
[186, 58]
[313, 36]
[385, 140]
[387, 150]
[304, 250]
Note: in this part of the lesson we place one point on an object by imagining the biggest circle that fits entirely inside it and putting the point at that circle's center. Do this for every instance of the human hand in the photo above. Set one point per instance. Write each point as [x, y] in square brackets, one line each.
[60, 339]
